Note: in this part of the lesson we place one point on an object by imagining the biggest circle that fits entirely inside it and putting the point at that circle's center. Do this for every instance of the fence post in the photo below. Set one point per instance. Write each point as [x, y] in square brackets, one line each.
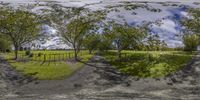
[44, 57]
[63, 57]
[59, 57]
[54, 57]
[40, 58]
[50, 57]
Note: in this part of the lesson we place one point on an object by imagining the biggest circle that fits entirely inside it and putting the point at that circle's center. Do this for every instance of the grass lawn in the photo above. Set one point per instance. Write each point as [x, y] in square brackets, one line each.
[149, 64]
[48, 70]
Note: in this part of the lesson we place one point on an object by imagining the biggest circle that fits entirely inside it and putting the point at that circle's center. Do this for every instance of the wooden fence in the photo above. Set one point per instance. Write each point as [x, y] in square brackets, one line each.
[51, 57]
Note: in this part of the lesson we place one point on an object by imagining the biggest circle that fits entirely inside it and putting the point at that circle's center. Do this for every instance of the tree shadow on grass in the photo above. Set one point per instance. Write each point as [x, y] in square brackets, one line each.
[141, 64]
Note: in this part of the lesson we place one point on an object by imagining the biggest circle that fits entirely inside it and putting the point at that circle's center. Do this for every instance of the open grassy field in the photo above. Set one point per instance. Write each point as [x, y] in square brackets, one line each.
[49, 70]
[149, 63]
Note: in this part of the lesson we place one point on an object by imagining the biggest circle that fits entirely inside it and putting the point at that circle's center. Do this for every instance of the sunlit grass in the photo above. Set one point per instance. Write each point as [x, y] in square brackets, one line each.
[48, 70]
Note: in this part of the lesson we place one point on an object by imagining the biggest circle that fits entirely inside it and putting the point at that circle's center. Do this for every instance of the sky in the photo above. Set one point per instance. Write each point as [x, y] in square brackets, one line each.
[165, 22]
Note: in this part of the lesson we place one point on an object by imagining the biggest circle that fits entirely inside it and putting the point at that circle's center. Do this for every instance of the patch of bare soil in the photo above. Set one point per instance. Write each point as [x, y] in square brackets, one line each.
[100, 81]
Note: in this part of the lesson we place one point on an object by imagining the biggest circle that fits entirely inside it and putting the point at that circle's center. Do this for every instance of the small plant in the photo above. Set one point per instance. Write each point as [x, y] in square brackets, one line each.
[31, 55]
[28, 53]
[39, 54]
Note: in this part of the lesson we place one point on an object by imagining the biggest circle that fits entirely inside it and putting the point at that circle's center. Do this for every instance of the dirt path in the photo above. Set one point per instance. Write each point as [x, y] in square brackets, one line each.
[99, 81]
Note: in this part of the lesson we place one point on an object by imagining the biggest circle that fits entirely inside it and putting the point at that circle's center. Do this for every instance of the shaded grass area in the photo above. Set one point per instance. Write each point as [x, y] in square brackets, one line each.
[149, 64]
[48, 70]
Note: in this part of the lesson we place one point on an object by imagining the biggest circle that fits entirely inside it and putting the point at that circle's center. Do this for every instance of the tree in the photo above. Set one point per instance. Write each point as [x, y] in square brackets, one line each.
[20, 26]
[91, 42]
[124, 36]
[163, 45]
[79, 25]
[105, 42]
[192, 24]
[154, 43]
[4, 44]
[191, 41]
[192, 30]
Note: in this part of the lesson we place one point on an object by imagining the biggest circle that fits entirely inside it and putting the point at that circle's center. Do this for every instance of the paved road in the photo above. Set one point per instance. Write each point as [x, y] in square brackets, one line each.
[99, 81]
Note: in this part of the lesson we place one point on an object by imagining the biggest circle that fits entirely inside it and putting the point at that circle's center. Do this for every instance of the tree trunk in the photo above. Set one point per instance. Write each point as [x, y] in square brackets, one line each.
[16, 53]
[75, 55]
[119, 53]
[118, 50]
[90, 51]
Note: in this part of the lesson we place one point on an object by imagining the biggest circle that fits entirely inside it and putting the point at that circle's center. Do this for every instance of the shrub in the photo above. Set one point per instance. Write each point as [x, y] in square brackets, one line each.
[31, 55]
[28, 53]
[39, 54]
[8, 50]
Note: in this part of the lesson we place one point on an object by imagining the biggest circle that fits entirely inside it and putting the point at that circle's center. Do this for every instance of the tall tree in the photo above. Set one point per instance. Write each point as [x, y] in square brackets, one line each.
[154, 43]
[91, 42]
[191, 41]
[4, 43]
[192, 24]
[78, 26]
[192, 29]
[20, 26]
[105, 43]
[124, 36]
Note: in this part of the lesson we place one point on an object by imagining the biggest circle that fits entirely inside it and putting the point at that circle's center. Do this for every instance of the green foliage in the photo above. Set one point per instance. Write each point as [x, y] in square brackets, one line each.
[191, 41]
[31, 55]
[193, 24]
[155, 44]
[28, 52]
[105, 43]
[82, 23]
[91, 42]
[20, 26]
[5, 44]
[124, 36]
[39, 54]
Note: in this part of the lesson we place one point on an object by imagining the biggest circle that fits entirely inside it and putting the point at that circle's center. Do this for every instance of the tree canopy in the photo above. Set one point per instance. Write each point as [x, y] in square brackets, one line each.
[82, 23]
[192, 26]
[124, 36]
[20, 26]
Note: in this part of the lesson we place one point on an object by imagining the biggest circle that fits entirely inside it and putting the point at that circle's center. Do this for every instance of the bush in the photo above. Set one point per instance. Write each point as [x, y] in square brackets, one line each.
[4, 44]
[31, 55]
[28, 53]
[8, 50]
[39, 54]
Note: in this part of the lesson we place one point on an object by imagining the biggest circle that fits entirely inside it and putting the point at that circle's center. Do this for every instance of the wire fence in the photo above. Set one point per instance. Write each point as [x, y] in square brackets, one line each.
[42, 57]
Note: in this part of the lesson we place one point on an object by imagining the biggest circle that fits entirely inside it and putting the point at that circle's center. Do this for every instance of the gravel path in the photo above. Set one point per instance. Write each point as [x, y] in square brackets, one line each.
[100, 81]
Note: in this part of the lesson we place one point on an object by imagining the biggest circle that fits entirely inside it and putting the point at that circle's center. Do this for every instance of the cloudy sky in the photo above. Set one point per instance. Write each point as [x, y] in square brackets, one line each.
[168, 15]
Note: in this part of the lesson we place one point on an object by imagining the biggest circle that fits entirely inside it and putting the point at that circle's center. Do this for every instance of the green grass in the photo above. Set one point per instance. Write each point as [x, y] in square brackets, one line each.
[48, 70]
[136, 63]
[149, 64]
